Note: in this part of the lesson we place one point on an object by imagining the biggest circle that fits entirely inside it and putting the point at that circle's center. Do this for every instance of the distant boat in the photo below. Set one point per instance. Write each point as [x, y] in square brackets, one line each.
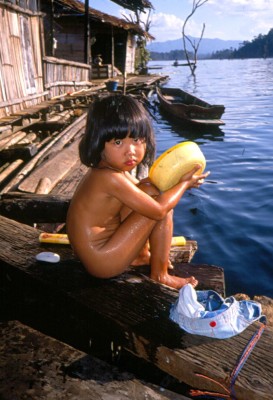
[177, 64]
[155, 67]
[188, 108]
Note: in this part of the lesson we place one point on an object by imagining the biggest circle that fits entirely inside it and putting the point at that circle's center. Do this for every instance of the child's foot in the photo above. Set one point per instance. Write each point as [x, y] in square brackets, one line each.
[175, 281]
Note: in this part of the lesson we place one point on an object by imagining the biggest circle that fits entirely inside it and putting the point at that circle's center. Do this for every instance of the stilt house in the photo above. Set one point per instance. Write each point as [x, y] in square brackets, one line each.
[46, 49]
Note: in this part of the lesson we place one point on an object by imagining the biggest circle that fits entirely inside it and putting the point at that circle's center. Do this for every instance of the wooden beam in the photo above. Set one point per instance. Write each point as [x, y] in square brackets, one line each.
[51, 209]
[30, 359]
[58, 142]
[86, 33]
[31, 208]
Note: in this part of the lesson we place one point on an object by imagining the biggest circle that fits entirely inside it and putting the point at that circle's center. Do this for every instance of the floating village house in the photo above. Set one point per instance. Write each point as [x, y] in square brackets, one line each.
[47, 47]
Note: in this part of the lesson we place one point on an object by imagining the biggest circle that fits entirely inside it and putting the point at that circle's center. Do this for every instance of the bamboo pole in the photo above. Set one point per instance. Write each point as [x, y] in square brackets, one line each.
[10, 169]
[58, 142]
[15, 139]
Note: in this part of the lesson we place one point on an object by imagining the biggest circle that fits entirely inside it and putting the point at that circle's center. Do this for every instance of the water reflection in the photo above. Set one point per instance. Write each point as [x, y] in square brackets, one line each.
[189, 132]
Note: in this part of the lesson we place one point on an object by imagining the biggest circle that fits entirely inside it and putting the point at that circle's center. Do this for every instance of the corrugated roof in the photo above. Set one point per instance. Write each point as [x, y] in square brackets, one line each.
[79, 7]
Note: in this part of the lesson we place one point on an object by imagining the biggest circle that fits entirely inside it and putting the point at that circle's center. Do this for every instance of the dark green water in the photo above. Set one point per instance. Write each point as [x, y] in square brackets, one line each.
[232, 217]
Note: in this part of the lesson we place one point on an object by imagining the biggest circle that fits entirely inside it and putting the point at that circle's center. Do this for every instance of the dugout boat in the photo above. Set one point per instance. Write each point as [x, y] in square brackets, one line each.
[189, 108]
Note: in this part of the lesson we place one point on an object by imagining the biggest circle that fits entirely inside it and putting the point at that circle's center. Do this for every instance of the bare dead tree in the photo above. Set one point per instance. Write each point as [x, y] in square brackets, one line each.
[137, 18]
[186, 39]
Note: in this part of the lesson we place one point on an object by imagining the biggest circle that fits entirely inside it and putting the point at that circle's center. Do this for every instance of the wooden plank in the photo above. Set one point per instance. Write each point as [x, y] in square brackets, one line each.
[36, 366]
[133, 311]
[58, 142]
[31, 208]
[54, 169]
[44, 185]
[67, 185]
[10, 120]
[19, 151]
[51, 209]
[10, 141]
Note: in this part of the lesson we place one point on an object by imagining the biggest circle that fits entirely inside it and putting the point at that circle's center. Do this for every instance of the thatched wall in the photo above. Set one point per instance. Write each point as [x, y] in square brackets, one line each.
[26, 77]
[21, 73]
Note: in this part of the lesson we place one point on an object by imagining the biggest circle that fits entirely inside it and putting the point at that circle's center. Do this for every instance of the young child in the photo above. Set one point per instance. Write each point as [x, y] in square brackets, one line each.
[112, 217]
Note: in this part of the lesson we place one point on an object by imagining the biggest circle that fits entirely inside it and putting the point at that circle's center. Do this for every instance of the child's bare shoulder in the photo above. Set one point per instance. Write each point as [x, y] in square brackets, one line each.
[106, 177]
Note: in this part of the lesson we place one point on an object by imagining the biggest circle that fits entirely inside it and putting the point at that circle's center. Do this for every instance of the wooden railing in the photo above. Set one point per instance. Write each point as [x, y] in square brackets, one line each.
[63, 76]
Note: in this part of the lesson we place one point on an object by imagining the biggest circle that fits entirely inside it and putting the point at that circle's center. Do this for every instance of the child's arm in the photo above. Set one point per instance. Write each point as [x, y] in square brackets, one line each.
[139, 201]
[169, 199]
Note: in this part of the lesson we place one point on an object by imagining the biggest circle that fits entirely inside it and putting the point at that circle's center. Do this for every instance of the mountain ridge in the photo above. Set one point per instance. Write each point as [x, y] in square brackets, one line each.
[207, 46]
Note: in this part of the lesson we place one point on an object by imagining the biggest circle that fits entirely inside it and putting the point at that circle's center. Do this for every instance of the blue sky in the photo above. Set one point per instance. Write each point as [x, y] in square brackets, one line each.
[224, 19]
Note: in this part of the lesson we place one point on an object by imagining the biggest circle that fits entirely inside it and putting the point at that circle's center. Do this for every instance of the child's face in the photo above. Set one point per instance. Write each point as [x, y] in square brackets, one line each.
[124, 154]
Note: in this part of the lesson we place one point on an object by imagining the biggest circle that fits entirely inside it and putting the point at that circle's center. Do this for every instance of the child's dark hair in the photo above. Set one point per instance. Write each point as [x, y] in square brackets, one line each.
[114, 117]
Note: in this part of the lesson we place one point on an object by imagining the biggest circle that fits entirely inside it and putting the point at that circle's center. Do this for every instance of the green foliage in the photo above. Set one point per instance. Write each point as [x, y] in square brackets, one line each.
[171, 55]
[142, 55]
[260, 47]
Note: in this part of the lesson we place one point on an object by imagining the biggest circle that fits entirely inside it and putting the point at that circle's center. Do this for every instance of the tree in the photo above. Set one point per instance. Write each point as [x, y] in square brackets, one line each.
[195, 46]
[143, 55]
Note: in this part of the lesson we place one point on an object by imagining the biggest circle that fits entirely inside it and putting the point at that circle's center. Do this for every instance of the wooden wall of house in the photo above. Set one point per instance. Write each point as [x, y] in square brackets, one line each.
[69, 34]
[130, 53]
[21, 73]
[63, 76]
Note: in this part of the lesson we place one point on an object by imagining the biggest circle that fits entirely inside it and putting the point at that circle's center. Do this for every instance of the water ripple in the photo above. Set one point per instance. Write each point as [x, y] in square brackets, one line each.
[231, 219]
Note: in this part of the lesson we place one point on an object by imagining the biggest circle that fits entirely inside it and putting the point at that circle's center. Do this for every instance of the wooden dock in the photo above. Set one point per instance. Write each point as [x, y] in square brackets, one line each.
[127, 315]
[130, 312]
[36, 366]
[28, 136]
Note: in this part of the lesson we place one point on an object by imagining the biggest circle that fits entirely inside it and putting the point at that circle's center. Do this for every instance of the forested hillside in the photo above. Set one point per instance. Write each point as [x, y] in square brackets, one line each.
[259, 47]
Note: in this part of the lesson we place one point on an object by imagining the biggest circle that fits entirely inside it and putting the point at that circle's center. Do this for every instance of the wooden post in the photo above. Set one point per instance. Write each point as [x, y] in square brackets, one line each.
[124, 82]
[125, 72]
[86, 34]
[51, 28]
[113, 52]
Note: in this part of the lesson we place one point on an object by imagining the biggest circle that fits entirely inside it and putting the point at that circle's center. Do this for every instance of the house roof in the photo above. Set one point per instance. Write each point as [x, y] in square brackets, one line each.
[134, 4]
[68, 7]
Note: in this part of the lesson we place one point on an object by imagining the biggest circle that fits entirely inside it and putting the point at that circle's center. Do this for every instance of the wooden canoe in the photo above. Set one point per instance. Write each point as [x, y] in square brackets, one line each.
[188, 108]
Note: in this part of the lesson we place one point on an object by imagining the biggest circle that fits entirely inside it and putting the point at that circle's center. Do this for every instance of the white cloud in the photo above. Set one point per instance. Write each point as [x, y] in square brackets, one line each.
[224, 19]
[168, 27]
[251, 18]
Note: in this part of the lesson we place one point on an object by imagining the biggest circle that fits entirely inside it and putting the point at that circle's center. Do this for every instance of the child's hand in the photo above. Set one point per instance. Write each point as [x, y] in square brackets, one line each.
[192, 179]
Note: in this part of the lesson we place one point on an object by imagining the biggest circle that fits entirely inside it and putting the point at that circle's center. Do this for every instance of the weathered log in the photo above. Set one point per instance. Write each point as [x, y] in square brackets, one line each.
[10, 170]
[12, 139]
[36, 366]
[40, 208]
[55, 168]
[19, 151]
[130, 310]
[34, 208]
[30, 138]
[44, 185]
[58, 142]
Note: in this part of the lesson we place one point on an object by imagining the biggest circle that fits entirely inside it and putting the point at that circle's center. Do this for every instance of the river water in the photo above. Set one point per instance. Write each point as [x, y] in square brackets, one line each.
[231, 216]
